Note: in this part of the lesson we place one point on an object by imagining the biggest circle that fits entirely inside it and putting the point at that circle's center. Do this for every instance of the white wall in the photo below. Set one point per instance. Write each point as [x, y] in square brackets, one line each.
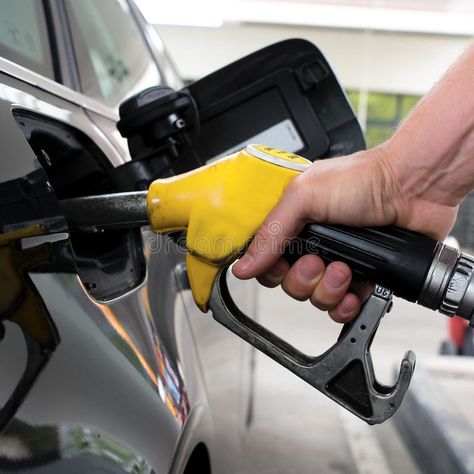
[365, 60]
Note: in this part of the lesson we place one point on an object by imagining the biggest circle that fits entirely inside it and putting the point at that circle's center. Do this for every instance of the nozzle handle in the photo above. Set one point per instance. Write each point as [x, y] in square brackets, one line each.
[345, 371]
[389, 256]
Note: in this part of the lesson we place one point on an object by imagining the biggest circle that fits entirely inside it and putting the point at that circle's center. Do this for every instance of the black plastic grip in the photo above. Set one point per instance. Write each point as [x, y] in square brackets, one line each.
[389, 256]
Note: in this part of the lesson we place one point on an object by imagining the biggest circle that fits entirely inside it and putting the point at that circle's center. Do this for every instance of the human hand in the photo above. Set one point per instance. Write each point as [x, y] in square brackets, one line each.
[360, 190]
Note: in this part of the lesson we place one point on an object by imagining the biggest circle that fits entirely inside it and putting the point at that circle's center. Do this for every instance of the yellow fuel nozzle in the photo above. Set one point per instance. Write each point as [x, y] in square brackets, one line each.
[221, 205]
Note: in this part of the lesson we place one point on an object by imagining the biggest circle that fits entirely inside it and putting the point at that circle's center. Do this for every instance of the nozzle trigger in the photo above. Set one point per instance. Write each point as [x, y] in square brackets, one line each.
[344, 372]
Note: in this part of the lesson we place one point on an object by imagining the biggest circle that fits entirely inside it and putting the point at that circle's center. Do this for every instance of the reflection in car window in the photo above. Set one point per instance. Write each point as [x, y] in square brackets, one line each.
[112, 57]
[24, 36]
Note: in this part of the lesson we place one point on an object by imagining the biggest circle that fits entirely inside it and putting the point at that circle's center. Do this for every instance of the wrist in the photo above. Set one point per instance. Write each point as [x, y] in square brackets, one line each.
[388, 182]
[420, 195]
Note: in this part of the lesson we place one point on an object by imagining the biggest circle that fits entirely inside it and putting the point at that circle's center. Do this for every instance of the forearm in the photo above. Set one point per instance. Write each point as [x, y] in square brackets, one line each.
[415, 180]
[432, 153]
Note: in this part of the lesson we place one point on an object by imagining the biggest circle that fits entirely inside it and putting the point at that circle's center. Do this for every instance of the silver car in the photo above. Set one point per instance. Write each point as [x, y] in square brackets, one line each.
[106, 363]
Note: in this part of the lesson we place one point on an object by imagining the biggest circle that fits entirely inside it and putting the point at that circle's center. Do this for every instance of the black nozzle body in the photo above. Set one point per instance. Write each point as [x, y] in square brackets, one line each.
[395, 258]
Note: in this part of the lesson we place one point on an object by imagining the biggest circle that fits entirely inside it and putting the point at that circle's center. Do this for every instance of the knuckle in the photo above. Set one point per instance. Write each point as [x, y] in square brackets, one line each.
[292, 188]
[261, 243]
[269, 232]
[262, 236]
[296, 189]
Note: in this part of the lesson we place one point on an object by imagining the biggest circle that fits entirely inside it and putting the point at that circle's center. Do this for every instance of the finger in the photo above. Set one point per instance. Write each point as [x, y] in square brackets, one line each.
[279, 228]
[274, 276]
[333, 286]
[347, 309]
[303, 277]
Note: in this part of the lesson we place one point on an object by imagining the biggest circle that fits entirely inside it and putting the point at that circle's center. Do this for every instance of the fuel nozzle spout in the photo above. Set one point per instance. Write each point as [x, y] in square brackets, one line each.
[221, 206]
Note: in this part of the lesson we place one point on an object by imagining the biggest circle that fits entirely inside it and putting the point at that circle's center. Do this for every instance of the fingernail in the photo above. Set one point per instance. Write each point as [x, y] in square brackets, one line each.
[244, 264]
[335, 278]
[308, 272]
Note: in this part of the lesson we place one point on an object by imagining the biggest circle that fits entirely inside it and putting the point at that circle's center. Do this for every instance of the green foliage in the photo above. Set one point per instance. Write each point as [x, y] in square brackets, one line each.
[384, 113]
[376, 135]
[382, 107]
[353, 97]
[408, 102]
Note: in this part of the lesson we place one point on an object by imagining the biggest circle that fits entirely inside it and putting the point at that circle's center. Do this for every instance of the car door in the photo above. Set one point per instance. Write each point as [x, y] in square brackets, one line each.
[89, 380]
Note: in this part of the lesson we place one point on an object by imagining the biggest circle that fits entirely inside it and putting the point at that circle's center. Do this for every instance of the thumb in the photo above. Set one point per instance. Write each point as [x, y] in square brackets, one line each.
[278, 229]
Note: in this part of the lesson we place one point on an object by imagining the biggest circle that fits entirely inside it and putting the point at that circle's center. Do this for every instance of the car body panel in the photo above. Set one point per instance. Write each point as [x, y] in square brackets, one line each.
[136, 381]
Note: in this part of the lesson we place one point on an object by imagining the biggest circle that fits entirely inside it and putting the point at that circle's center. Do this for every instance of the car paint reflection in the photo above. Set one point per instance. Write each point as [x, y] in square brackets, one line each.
[21, 304]
[29, 447]
[94, 382]
[169, 384]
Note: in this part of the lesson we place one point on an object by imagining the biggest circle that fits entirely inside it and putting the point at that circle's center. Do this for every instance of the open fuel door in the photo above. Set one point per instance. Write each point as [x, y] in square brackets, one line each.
[285, 95]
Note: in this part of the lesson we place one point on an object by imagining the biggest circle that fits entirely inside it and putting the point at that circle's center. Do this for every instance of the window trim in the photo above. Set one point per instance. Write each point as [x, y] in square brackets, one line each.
[66, 26]
[52, 38]
[55, 88]
[134, 12]
[164, 63]
[63, 45]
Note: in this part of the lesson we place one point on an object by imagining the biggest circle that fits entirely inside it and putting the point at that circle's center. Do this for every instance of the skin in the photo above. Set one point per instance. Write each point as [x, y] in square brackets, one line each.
[415, 180]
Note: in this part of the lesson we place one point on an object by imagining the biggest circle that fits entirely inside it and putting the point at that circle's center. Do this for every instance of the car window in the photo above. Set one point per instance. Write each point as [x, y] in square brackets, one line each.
[113, 59]
[24, 35]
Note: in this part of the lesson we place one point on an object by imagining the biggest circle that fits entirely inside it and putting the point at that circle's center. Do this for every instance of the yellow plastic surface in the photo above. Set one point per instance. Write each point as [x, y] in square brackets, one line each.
[221, 205]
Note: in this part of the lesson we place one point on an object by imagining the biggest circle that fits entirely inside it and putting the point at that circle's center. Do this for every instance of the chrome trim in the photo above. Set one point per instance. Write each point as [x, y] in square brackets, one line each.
[438, 276]
[459, 296]
[64, 46]
[52, 87]
[157, 48]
